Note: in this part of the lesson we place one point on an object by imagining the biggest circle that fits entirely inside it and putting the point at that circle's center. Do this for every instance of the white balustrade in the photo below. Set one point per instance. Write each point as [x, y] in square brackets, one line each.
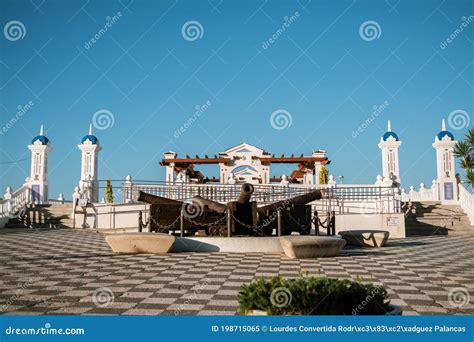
[466, 201]
[12, 203]
[423, 194]
[346, 198]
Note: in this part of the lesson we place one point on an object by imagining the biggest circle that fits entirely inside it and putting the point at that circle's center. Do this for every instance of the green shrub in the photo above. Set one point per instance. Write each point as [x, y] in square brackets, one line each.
[313, 296]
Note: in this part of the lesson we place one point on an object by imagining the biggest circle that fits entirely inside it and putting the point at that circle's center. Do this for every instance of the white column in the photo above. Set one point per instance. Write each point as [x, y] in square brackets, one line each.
[90, 149]
[389, 145]
[446, 166]
[38, 182]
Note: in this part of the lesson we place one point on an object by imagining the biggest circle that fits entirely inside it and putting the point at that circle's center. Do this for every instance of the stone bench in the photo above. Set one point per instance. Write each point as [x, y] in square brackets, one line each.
[365, 238]
[301, 247]
[151, 243]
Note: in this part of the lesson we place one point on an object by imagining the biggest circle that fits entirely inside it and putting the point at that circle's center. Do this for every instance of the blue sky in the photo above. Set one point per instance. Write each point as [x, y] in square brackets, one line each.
[319, 69]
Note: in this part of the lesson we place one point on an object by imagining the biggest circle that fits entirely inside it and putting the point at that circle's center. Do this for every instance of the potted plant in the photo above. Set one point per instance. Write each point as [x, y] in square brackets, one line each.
[314, 296]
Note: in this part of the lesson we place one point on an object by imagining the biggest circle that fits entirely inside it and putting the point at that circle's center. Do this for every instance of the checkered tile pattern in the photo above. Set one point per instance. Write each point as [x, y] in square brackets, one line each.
[57, 271]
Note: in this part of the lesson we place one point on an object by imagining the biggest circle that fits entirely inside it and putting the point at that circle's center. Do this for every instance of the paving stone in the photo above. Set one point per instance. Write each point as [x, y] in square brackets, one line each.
[57, 271]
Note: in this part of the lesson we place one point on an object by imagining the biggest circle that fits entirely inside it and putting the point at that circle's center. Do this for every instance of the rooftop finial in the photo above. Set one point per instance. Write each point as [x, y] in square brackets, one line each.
[90, 129]
[443, 125]
[389, 126]
[42, 130]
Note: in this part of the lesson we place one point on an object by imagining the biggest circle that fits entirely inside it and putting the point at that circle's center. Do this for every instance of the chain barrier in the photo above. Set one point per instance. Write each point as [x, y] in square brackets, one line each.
[222, 219]
[299, 224]
[258, 228]
[323, 224]
[168, 226]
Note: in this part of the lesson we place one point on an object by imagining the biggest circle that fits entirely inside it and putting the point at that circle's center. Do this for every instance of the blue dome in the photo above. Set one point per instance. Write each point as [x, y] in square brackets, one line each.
[42, 138]
[442, 134]
[390, 134]
[93, 139]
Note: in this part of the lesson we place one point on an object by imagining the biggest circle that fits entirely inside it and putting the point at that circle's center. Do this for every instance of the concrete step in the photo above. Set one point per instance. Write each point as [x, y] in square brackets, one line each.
[437, 221]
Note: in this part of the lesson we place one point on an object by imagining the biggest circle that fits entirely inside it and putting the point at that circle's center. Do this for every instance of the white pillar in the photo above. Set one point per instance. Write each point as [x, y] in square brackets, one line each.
[446, 166]
[38, 182]
[389, 145]
[90, 149]
[170, 166]
[317, 165]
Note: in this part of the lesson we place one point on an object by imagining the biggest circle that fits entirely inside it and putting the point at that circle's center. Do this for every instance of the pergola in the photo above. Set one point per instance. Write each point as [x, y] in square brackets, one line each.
[244, 163]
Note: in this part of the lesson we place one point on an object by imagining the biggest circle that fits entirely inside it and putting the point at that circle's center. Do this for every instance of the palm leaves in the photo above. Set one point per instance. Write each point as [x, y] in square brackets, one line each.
[464, 151]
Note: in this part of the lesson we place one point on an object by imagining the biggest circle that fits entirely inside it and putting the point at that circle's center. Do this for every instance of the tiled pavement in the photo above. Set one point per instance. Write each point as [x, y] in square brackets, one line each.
[58, 271]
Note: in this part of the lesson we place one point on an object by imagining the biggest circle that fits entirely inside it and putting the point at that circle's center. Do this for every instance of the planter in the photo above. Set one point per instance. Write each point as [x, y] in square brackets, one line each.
[395, 310]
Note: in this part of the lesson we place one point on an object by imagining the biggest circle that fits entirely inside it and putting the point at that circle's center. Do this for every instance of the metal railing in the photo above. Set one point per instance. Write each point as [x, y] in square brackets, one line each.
[342, 199]
[356, 199]
[216, 192]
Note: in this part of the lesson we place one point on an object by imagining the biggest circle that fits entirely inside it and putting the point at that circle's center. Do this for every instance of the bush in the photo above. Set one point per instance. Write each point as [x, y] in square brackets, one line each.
[313, 296]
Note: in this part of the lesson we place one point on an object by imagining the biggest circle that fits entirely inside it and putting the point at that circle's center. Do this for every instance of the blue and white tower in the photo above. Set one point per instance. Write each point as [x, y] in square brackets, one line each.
[40, 147]
[447, 185]
[389, 144]
[90, 148]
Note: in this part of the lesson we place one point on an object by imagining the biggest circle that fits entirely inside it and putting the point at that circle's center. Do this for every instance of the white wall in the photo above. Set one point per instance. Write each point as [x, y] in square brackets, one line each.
[393, 223]
[112, 216]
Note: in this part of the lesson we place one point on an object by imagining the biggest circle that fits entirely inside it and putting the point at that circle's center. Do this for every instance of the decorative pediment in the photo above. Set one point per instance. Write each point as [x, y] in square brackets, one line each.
[244, 149]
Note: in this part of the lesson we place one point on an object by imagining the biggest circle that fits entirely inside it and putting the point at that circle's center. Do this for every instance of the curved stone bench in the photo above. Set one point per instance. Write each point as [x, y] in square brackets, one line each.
[365, 238]
[152, 243]
[302, 247]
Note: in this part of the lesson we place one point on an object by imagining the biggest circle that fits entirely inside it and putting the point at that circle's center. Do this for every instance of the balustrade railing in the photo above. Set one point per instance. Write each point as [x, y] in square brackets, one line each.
[343, 199]
[14, 202]
[466, 201]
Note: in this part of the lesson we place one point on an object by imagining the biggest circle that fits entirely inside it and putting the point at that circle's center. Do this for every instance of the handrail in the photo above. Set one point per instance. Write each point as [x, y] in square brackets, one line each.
[344, 198]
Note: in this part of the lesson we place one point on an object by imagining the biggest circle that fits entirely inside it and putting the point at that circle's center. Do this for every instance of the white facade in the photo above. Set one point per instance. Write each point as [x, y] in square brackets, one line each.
[38, 180]
[446, 166]
[90, 149]
[245, 165]
[389, 144]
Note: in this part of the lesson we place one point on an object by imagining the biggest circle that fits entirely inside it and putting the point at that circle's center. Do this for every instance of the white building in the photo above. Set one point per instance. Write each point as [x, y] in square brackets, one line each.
[244, 163]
